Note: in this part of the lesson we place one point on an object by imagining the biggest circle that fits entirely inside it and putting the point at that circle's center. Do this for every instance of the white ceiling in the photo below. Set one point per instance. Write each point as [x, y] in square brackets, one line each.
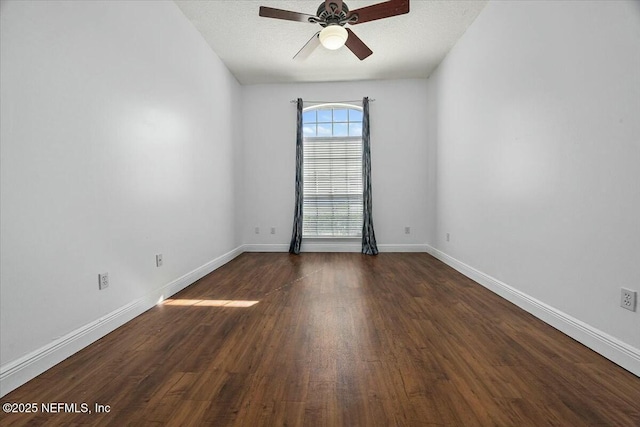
[260, 50]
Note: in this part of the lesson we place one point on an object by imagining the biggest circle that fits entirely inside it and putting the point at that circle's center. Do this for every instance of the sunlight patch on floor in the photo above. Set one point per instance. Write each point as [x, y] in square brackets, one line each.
[210, 302]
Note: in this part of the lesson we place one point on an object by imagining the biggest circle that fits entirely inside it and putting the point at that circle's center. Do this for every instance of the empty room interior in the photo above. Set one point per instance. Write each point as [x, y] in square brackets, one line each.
[319, 213]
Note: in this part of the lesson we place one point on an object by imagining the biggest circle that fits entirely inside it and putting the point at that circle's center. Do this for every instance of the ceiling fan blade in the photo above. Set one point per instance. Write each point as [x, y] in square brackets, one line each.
[380, 11]
[327, 5]
[308, 48]
[270, 12]
[357, 46]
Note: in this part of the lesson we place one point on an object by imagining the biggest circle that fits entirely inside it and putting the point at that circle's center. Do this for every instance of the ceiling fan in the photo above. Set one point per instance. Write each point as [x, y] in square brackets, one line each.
[332, 15]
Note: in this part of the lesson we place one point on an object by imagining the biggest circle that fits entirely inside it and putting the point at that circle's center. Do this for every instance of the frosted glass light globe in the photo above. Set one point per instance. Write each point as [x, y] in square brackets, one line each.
[333, 37]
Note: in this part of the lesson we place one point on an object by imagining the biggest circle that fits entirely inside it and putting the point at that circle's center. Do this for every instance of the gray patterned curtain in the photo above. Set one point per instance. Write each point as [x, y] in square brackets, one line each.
[296, 236]
[369, 246]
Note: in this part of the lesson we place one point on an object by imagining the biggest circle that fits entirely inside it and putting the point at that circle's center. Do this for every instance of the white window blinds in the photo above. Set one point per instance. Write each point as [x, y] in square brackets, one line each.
[332, 190]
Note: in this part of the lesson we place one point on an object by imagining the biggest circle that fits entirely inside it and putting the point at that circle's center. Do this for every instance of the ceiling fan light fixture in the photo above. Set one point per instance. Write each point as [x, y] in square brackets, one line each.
[333, 37]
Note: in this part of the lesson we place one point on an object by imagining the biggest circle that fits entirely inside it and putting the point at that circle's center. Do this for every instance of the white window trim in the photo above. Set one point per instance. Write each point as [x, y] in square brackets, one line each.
[312, 237]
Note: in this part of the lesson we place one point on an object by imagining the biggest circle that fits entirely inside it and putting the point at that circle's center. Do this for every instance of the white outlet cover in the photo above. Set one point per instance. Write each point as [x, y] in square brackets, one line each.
[103, 281]
[628, 299]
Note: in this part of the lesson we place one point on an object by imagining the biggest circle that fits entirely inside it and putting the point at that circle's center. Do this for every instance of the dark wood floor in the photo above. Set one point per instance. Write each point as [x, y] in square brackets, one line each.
[336, 340]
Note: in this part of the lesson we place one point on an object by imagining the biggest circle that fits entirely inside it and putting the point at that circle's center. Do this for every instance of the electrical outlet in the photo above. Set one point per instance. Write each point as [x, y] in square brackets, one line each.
[407, 230]
[256, 230]
[448, 237]
[628, 299]
[273, 230]
[103, 281]
[159, 260]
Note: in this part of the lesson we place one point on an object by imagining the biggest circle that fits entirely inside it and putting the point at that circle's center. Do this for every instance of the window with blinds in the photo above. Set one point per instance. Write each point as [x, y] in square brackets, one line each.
[332, 166]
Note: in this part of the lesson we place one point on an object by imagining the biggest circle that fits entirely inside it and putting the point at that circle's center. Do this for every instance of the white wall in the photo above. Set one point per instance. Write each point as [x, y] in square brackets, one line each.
[398, 150]
[538, 157]
[120, 136]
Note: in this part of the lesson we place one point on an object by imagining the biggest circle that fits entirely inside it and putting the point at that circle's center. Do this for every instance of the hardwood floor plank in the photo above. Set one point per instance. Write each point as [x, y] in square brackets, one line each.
[336, 340]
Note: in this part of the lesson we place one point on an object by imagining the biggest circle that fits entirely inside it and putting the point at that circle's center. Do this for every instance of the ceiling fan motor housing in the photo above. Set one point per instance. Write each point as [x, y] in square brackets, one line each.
[333, 17]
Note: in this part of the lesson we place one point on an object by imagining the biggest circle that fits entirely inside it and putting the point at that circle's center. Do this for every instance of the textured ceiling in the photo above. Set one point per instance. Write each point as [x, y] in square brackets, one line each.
[260, 50]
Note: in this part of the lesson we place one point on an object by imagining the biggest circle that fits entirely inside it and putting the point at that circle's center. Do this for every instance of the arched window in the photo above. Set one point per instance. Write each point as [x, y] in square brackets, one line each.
[332, 167]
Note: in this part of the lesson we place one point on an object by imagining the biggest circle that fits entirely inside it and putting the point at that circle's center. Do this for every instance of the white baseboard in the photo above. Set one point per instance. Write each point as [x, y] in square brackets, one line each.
[18, 372]
[610, 347]
[273, 247]
[334, 247]
[403, 248]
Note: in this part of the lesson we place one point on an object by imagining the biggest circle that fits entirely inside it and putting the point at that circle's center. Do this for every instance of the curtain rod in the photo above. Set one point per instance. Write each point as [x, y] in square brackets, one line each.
[293, 101]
